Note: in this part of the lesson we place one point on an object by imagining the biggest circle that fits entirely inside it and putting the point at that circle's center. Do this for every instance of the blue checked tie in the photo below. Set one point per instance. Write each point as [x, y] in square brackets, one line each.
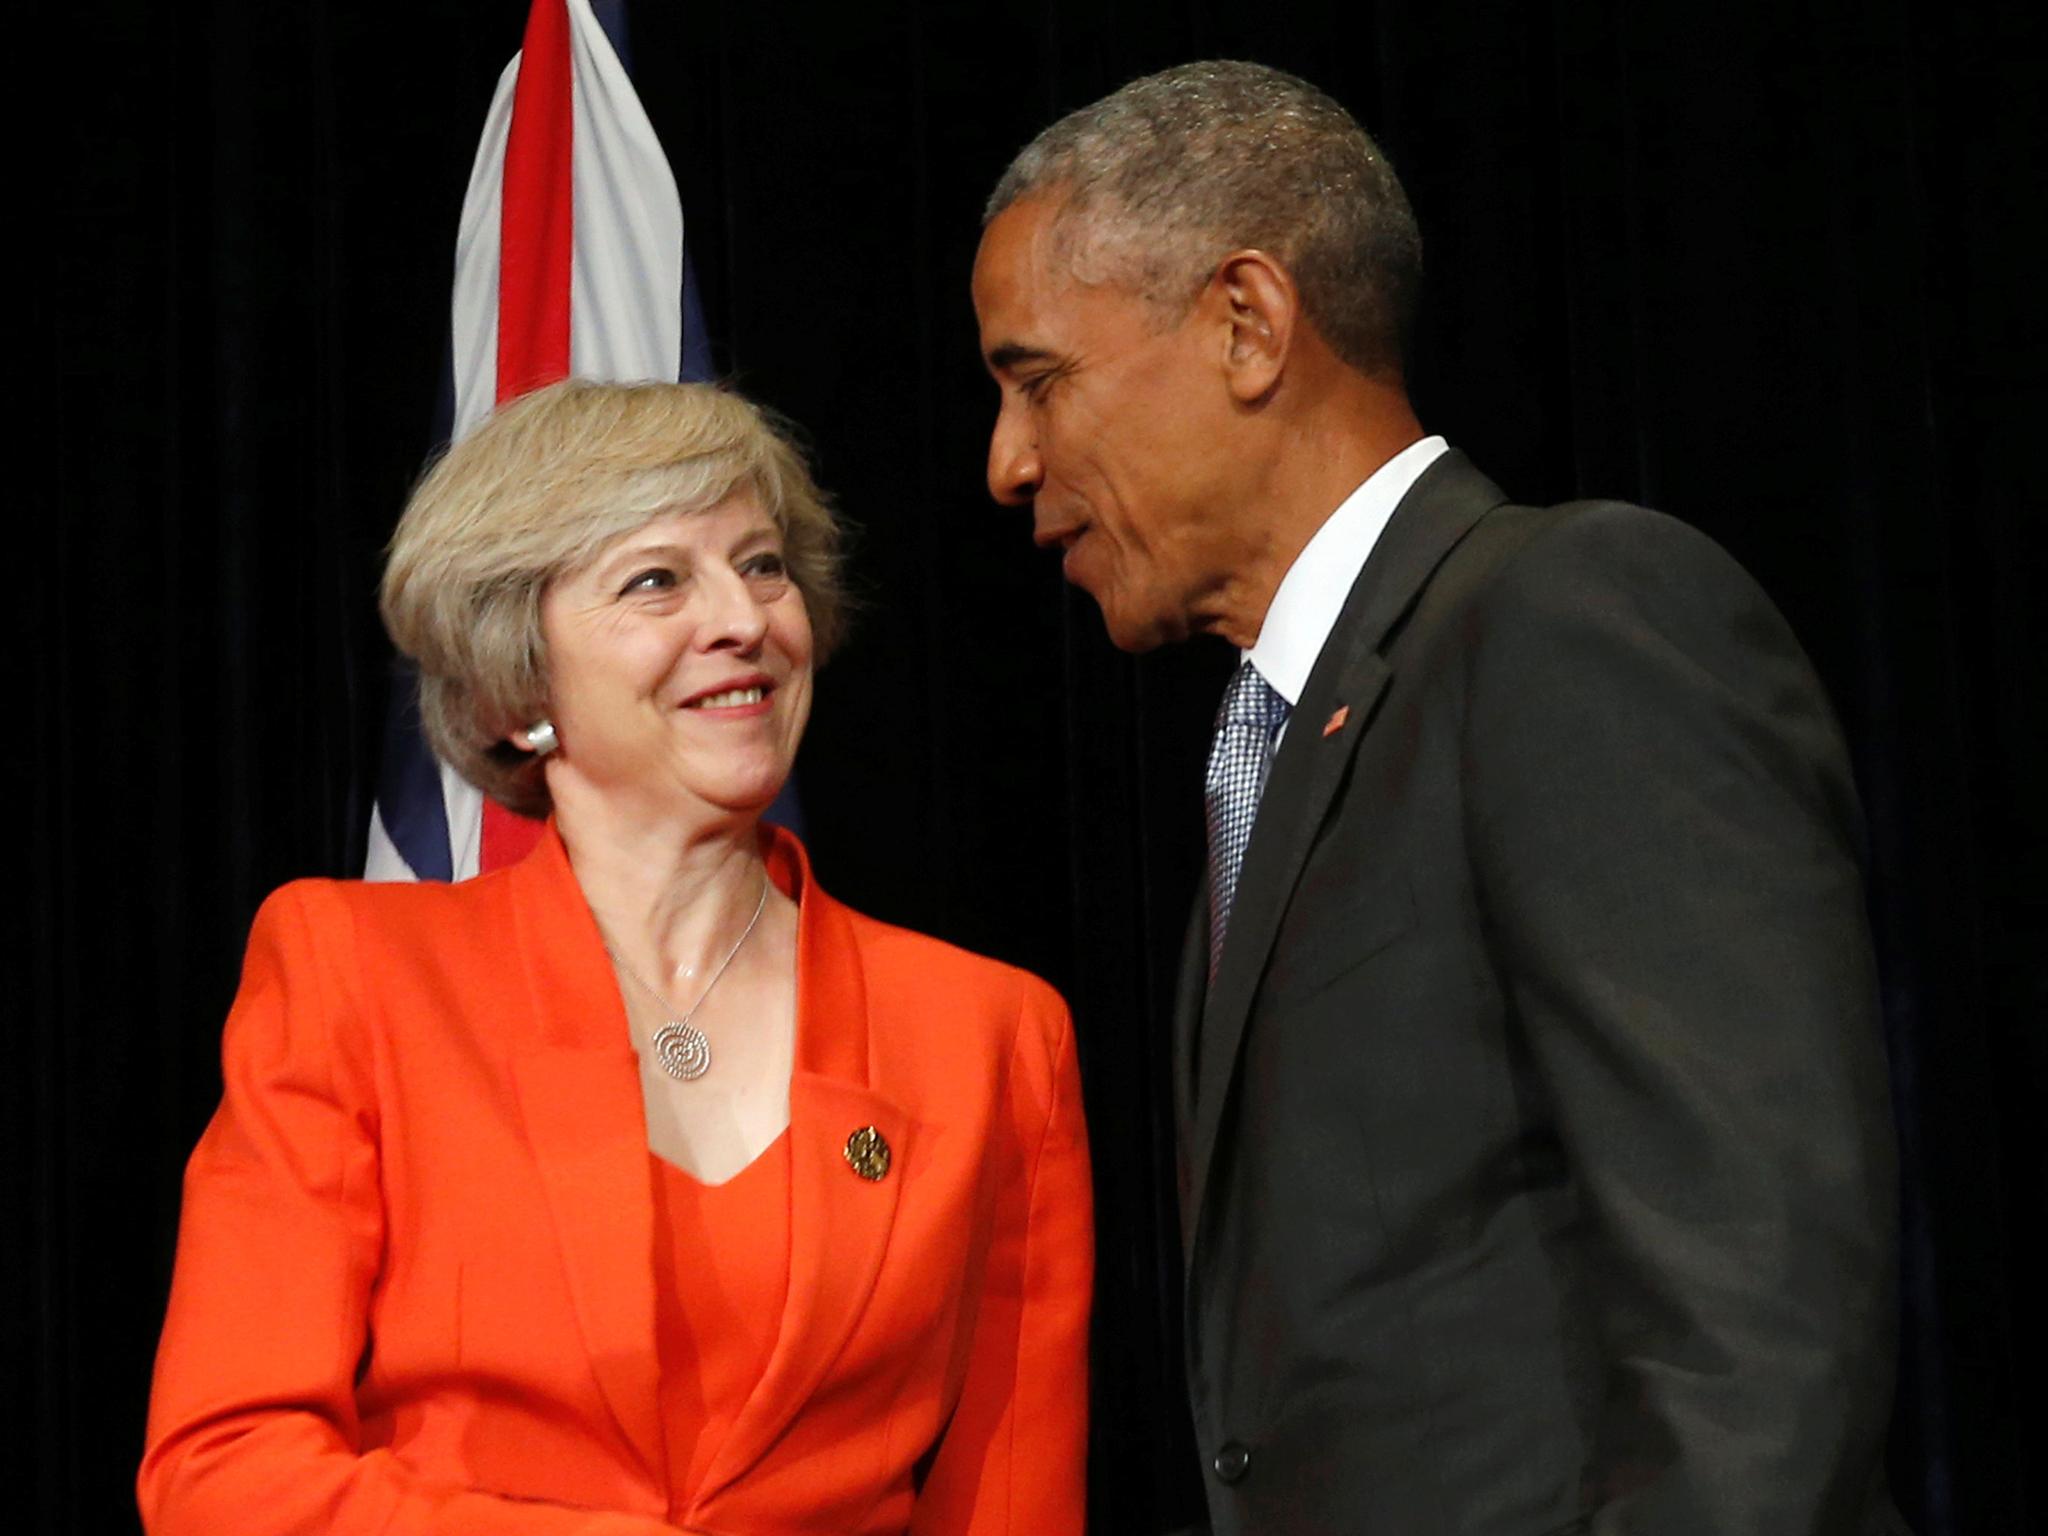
[1238, 760]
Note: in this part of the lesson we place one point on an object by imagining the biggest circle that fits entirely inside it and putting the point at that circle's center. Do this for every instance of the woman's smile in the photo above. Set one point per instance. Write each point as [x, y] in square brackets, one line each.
[742, 699]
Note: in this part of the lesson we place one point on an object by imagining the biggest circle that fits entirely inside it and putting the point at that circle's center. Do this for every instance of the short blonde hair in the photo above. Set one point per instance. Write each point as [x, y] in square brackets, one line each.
[534, 494]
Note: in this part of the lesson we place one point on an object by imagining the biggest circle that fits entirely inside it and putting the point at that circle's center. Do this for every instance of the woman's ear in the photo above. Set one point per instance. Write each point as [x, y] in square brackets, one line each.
[538, 738]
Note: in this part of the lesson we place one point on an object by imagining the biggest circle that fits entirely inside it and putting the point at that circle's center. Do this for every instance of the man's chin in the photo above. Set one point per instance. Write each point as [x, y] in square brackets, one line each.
[1137, 633]
[1132, 626]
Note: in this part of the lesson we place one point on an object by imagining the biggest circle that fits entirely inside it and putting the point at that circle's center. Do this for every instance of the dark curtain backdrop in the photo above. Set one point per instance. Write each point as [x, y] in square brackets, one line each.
[1772, 267]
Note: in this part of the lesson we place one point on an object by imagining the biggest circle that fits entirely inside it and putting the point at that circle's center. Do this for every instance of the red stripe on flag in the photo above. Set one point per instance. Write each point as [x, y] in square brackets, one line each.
[507, 837]
[536, 233]
[536, 238]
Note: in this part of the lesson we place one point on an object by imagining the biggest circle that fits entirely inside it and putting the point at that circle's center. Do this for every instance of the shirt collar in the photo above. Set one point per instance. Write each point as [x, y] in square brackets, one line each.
[1311, 595]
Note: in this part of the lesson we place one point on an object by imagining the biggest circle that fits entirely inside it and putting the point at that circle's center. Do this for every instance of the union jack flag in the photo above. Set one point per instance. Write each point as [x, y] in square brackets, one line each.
[569, 259]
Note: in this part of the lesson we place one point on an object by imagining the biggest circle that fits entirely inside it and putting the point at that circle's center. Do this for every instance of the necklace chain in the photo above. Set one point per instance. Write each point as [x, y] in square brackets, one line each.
[679, 1046]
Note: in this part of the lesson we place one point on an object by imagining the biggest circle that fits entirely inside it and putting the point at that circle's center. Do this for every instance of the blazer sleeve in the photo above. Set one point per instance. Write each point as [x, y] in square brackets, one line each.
[1666, 838]
[1013, 1459]
[253, 1425]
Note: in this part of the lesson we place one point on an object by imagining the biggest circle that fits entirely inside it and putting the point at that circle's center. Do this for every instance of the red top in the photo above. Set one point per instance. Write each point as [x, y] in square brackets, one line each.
[721, 1262]
[432, 1137]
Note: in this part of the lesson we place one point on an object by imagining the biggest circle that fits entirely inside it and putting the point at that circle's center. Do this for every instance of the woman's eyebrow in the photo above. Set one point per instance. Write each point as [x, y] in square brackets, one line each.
[634, 554]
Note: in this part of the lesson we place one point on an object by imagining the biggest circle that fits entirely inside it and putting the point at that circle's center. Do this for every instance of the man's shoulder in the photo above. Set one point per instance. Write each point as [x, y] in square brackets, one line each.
[1592, 551]
[1590, 530]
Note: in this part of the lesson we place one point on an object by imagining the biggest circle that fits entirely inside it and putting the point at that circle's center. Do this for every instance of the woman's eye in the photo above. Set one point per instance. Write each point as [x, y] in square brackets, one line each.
[768, 563]
[657, 579]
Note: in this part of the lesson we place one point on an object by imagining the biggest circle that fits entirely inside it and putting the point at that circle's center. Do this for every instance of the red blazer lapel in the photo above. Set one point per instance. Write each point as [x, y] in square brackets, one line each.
[839, 1220]
[579, 1093]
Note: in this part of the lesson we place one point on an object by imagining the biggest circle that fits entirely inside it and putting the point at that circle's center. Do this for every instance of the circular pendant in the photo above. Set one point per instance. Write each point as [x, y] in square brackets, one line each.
[682, 1050]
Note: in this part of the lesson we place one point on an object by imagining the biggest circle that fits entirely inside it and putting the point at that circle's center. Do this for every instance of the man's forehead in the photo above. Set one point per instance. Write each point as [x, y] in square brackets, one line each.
[1026, 226]
[1024, 287]
[1022, 251]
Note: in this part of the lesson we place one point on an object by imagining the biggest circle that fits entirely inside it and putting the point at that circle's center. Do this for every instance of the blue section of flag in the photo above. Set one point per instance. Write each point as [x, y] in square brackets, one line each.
[697, 365]
[611, 15]
[409, 784]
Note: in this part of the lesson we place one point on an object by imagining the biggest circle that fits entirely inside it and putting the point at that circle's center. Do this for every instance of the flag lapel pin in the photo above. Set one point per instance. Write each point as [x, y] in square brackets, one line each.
[1337, 718]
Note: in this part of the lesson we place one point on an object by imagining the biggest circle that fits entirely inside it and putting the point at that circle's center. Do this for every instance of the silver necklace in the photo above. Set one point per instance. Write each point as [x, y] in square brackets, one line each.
[679, 1045]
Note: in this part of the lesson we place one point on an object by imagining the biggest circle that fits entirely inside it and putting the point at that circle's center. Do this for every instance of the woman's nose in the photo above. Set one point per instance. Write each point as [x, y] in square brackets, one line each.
[736, 617]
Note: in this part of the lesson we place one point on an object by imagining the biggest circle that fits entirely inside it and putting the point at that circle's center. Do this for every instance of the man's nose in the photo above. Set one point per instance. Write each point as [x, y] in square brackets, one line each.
[1015, 470]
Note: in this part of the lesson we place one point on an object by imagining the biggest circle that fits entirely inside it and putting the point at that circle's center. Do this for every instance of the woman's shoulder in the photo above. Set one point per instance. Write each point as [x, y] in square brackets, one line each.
[398, 899]
[950, 1030]
[377, 912]
[910, 973]
[940, 962]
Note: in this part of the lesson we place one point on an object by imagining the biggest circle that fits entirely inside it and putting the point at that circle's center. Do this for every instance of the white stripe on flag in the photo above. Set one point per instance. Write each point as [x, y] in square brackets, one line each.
[626, 283]
[473, 310]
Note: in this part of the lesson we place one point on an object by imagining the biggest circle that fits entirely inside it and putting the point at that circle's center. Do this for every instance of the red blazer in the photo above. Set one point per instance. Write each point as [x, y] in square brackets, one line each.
[415, 1282]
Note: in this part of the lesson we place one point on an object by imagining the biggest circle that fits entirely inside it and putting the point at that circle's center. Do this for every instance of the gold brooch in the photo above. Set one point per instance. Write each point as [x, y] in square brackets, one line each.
[867, 1154]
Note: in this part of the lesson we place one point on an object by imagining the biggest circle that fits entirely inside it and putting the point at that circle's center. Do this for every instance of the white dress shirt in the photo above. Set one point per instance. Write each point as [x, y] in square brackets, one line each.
[1312, 593]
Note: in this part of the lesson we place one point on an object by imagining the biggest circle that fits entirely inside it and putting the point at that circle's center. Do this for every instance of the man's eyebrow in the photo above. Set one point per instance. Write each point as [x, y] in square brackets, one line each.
[1010, 354]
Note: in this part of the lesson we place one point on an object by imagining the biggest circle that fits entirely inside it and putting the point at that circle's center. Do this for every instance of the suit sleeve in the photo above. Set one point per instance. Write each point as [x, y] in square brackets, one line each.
[1013, 1460]
[253, 1423]
[1665, 834]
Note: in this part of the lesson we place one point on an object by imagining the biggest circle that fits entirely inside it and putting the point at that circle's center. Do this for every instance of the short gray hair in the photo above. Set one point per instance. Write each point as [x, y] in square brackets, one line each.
[536, 493]
[1160, 180]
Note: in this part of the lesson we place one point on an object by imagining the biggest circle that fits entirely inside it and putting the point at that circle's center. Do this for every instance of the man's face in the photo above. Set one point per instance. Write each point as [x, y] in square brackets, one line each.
[1114, 430]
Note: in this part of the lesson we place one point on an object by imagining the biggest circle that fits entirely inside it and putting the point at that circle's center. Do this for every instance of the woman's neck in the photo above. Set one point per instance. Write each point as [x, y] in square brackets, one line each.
[670, 894]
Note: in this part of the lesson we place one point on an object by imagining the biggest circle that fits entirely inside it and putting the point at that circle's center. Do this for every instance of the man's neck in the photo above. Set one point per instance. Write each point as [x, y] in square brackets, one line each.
[1357, 425]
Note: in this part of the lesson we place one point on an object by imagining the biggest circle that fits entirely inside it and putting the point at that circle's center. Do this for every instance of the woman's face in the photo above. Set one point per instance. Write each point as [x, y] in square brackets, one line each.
[679, 664]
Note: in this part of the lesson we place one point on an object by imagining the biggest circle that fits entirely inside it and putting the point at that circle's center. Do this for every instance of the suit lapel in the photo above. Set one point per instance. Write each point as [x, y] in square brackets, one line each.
[1188, 998]
[839, 1222]
[578, 1084]
[1353, 675]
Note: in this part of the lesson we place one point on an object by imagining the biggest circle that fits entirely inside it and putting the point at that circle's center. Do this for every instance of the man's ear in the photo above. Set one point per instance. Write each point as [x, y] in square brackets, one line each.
[1264, 310]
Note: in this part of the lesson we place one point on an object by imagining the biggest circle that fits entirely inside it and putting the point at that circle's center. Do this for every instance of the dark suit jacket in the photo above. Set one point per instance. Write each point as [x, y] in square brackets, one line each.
[1537, 1163]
